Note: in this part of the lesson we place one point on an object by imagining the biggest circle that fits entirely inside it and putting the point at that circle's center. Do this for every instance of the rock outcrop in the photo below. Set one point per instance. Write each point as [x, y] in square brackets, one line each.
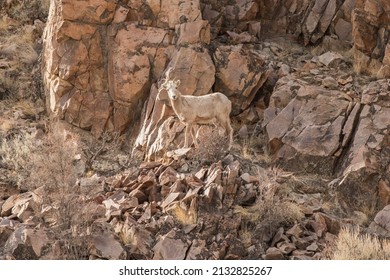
[103, 62]
[103, 66]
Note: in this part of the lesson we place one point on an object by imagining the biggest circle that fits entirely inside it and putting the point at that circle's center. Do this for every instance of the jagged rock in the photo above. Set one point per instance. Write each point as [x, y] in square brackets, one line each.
[178, 153]
[91, 185]
[168, 248]
[364, 164]
[209, 193]
[113, 204]
[243, 132]
[274, 253]
[130, 81]
[6, 229]
[370, 24]
[284, 70]
[384, 193]
[103, 11]
[332, 223]
[343, 30]
[194, 67]
[318, 225]
[383, 218]
[249, 178]
[312, 247]
[25, 243]
[149, 165]
[214, 174]
[232, 169]
[104, 244]
[77, 75]
[69, 70]
[21, 205]
[169, 17]
[197, 249]
[303, 242]
[330, 82]
[295, 231]
[302, 255]
[286, 247]
[138, 239]
[168, 176]
[243, 10]
[193, 32]
[241, 38]
[330, 59]
[201, 173]
[171, 198]
[278, 236]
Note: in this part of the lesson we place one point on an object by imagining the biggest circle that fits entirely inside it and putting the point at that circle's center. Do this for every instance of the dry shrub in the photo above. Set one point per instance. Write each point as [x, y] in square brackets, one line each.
[213, 145]
[48, 168]
[26, 11]
[352, 245]
[20, 45]
[271, 210]
[270, 215]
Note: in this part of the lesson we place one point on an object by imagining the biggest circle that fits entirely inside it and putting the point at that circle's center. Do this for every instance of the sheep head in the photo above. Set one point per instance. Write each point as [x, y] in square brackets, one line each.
[170, 85]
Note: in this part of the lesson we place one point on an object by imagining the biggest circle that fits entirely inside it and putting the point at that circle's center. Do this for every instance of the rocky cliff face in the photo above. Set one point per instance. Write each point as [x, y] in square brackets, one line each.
[104, 59]
[310, 89]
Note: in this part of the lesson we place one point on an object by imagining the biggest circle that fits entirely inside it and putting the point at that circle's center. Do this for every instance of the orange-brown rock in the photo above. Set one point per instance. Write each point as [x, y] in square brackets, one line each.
[370, 21]
[239, 74]
[308, 129]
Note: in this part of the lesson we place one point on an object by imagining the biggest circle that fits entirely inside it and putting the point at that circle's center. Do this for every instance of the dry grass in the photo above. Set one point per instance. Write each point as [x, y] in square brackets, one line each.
[27, 108]
[19, 47]
[183, 214]
[253, 147]
[17, 151]
[351, 245]
[272, 209]
[246, 236]
[272, 214]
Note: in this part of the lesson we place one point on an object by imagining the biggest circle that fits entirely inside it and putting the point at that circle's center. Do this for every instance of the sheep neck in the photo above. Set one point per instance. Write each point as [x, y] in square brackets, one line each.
[177, 106]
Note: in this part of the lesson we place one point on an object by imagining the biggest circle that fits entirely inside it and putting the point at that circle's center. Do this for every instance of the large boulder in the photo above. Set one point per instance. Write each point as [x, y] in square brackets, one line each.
[304, 124]
[315, 129]
[26, 244]
[365, 166]
[240, 73]
[74, 72]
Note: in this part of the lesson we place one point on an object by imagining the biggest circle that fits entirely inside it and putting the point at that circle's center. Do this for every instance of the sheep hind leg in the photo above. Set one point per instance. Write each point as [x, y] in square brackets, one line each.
[195, 136]
[229, 131]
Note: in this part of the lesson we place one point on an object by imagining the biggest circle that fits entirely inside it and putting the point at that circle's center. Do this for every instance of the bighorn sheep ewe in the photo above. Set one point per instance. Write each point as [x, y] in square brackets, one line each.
[205, 109]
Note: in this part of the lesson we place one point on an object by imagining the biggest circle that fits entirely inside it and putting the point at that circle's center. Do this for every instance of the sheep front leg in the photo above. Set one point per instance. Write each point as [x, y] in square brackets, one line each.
[195, 135]
[186, 134]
